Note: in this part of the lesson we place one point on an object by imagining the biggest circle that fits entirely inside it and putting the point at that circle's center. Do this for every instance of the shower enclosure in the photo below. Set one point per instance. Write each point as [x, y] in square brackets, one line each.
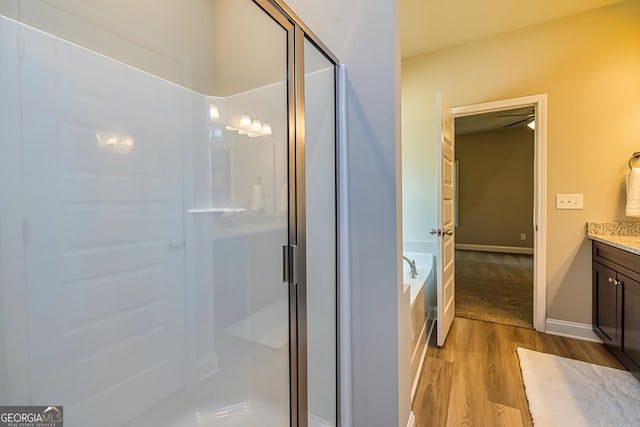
[167, 213]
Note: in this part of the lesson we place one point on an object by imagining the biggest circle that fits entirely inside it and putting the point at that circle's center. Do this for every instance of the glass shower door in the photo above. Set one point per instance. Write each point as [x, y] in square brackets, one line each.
[321, 233]
[145, 204]
[251, 140]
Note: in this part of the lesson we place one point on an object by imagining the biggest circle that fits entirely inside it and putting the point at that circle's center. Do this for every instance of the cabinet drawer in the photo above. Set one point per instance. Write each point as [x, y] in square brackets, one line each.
[617, 259]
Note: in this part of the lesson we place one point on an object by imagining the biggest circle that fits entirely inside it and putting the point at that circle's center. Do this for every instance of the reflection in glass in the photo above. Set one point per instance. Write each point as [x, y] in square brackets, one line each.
[140, 235]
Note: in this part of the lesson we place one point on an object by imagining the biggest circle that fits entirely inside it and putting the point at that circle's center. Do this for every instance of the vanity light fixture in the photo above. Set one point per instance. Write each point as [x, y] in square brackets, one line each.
[253, 128]
[256, 125]
[245, 120]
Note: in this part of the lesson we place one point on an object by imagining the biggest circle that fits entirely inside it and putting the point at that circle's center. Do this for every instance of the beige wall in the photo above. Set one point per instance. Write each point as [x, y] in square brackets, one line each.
[589, 65]
[495, 187]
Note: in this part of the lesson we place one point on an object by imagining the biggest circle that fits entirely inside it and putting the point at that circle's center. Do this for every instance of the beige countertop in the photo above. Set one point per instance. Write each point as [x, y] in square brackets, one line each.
[621, 235]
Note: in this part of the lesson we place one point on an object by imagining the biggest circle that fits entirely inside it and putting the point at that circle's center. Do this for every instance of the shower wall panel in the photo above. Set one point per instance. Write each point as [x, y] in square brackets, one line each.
[104, 231]
[13, 315]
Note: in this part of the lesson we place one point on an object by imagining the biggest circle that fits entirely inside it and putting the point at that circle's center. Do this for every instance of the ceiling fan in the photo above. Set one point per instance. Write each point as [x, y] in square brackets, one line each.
[528, 118]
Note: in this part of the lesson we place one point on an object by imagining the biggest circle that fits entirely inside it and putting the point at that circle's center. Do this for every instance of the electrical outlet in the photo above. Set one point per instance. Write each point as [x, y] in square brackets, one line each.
[523, 236]
[569, 201]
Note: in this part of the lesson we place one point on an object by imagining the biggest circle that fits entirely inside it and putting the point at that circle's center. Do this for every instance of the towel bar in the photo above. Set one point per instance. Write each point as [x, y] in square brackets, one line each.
[634, 156]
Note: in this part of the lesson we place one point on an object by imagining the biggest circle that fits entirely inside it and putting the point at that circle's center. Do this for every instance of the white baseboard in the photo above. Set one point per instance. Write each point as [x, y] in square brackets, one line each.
[491, 248]
[579, 331]
[412, 420]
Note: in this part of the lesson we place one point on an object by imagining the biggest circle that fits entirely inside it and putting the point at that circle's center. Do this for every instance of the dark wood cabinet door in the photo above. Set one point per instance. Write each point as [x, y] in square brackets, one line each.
[631, 319]
[605, 304]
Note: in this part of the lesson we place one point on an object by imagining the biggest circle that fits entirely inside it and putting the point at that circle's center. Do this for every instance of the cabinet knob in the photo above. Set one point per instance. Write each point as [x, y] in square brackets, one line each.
[614, 282]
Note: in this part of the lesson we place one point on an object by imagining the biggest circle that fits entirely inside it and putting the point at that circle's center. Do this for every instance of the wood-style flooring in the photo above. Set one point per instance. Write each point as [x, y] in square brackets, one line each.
[475, 378]
[495, 287]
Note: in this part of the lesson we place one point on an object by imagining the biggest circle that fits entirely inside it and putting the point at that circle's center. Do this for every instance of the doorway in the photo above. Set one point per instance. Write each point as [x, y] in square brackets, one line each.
[511, 260]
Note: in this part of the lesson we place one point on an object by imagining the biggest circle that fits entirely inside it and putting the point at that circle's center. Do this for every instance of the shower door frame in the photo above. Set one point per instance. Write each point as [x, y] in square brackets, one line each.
[296, 261]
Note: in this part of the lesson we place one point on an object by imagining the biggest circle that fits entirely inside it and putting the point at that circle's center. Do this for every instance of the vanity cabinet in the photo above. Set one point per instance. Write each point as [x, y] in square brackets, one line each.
[616, 302]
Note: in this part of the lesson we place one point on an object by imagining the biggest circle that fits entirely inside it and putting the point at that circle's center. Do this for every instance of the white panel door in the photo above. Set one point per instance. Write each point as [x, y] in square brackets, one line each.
[103, 196]
[446, 294]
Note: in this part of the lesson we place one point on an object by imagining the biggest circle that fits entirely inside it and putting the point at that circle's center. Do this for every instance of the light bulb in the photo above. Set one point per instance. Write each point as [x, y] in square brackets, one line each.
[245, 120]
[266, 129]
[256, 125]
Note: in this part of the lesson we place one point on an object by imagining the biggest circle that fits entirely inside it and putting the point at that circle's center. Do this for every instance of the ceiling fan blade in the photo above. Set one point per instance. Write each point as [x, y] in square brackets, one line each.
[516, 123]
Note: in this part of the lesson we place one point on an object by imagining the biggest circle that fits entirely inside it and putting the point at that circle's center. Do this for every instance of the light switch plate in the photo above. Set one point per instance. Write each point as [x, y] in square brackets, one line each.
[569, 201]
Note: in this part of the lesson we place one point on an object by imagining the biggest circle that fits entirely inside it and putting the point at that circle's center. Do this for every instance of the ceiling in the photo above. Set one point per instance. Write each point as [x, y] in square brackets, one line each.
[492, 121]
[429, 25]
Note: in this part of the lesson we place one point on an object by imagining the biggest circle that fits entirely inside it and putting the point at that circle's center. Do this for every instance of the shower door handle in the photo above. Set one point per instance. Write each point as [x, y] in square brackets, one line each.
[285, 263]
[289, 264]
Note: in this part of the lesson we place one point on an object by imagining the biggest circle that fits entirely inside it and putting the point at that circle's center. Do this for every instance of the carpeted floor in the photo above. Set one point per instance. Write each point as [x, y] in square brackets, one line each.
[495, 287]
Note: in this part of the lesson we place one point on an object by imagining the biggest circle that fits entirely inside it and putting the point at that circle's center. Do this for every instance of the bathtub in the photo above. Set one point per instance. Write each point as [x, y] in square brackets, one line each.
[424, 265]
[421, 290]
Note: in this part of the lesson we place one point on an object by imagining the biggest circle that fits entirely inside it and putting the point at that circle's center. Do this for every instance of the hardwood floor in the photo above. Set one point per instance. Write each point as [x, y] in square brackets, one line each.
[475, 379]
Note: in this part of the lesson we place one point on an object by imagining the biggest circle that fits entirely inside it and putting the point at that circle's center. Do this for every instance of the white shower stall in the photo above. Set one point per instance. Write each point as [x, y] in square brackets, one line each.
[147, 197]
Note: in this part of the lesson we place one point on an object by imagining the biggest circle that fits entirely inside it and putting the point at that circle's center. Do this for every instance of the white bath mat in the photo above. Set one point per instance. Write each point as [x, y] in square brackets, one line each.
[565, 392]
[268, 326]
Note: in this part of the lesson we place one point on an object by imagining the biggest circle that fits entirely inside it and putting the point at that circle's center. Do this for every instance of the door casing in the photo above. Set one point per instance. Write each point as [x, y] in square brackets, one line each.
[539, 102]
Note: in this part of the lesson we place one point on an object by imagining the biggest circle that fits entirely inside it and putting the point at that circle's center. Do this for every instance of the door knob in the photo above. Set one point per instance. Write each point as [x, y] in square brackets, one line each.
[449, 232]
[433, 232]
